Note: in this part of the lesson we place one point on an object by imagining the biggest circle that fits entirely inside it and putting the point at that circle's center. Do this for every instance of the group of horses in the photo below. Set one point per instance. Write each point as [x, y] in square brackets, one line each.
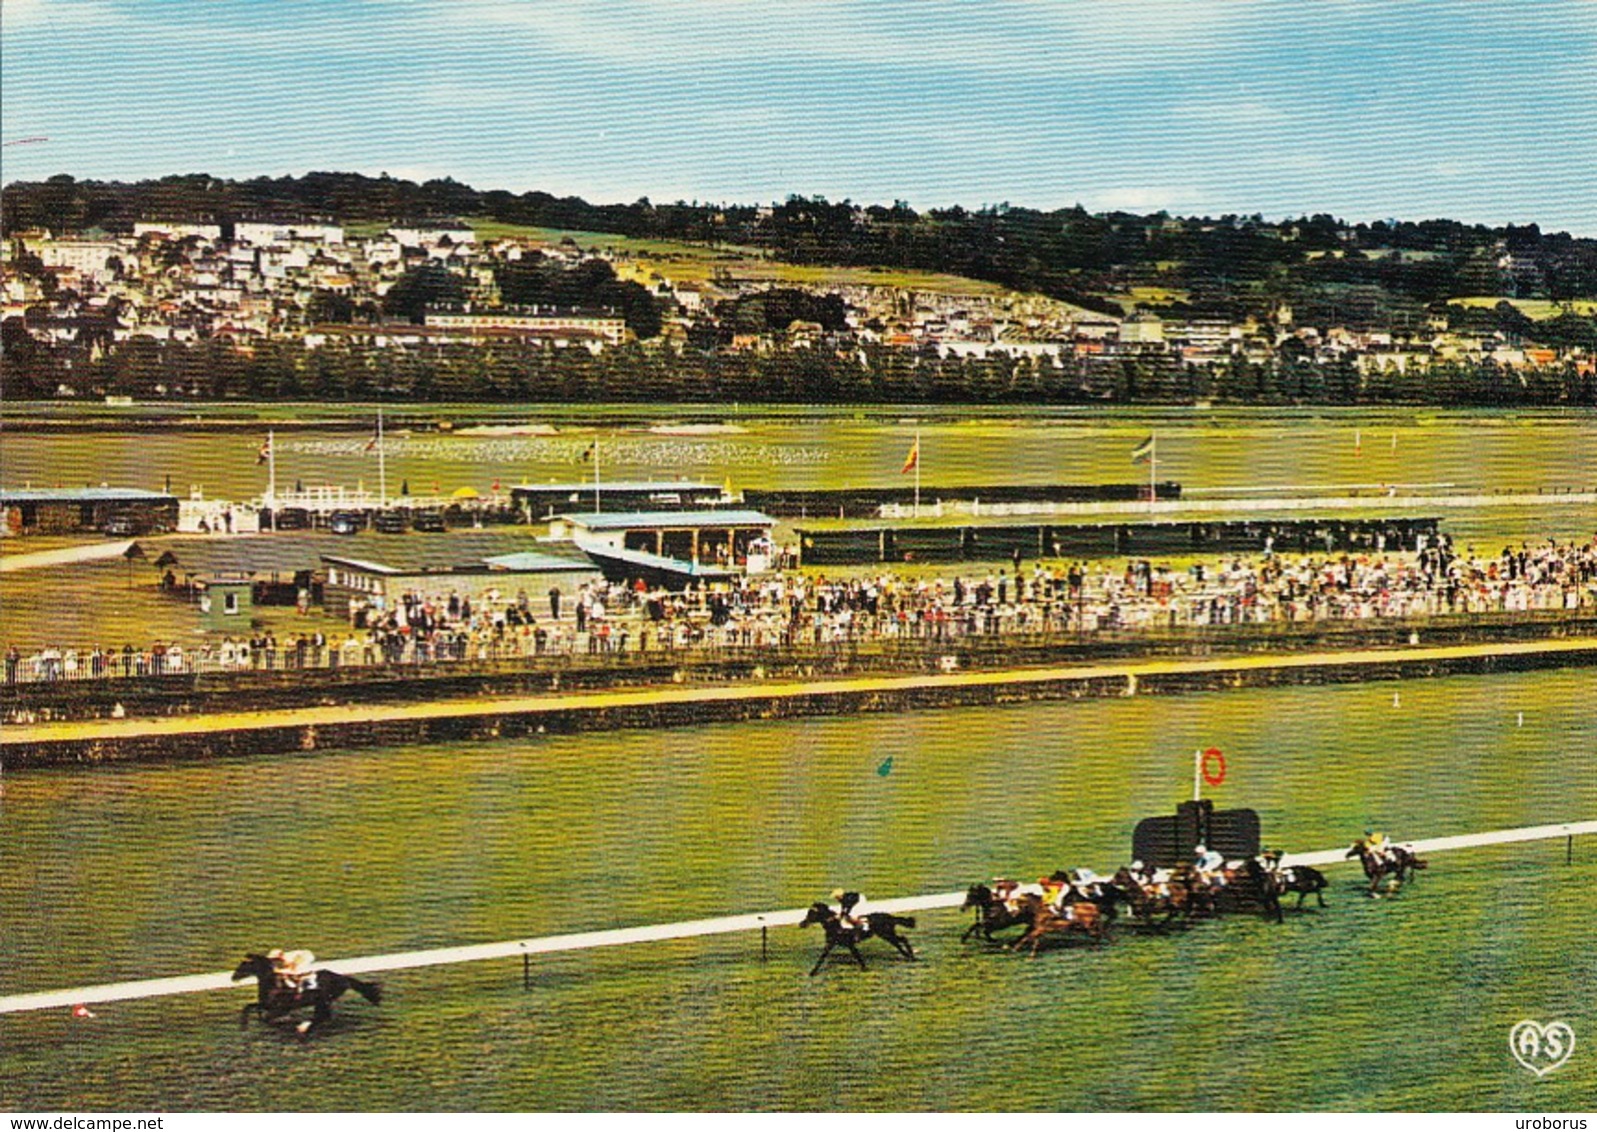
[1068, 904]
[1079, 906]
[1155, 900]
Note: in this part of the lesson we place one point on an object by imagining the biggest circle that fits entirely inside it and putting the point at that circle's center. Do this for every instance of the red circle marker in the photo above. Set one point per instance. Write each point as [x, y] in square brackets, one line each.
[1217, 775]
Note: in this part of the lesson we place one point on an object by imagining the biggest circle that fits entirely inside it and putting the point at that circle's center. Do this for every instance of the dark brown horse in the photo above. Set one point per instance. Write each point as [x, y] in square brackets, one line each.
[320, 990]
[992, 913]
[1397, 861]
[1303, 880]
[1250, 888]
[883, 925]
[1172, 899]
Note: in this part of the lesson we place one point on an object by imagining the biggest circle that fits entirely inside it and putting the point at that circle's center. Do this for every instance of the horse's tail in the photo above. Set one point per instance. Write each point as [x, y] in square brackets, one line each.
[371, 992]
[903, 921]
[1419, 863]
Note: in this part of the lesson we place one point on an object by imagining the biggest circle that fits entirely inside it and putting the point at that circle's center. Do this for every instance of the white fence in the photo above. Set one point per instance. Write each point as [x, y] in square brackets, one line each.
[654, 933]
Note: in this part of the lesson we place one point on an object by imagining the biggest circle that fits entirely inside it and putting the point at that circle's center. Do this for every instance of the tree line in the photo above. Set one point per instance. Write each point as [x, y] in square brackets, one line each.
[288, 370]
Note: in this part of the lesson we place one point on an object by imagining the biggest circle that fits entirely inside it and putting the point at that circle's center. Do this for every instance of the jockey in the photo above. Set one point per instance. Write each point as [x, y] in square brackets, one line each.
[1085, 879]
[1208, 861]
[293, 968]
[1378, 845]
[849, 911]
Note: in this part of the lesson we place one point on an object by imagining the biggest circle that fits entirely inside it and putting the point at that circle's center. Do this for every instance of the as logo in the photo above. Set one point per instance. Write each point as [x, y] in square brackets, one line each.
[1541, 1049]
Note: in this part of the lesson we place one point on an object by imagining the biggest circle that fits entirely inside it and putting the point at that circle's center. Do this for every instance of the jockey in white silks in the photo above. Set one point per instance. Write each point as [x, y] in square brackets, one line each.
[851, 909]
[1210, 864]
[294, 968]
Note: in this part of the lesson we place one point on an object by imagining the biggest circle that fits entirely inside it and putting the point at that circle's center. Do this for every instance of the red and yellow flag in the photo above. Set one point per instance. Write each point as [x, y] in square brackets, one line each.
[912, 461]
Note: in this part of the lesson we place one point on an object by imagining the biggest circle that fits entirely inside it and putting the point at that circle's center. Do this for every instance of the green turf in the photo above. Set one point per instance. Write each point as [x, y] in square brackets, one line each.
[109, 873]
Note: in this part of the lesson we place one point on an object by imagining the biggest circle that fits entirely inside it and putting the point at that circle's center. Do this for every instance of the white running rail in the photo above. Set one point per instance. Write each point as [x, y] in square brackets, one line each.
[582, 941]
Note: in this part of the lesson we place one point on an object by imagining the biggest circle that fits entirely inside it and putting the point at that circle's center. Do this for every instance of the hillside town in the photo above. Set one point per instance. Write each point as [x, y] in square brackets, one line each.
[418, 287]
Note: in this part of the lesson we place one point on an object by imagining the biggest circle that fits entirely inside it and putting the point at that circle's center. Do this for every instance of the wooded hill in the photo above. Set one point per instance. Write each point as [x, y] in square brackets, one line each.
[1387, 273]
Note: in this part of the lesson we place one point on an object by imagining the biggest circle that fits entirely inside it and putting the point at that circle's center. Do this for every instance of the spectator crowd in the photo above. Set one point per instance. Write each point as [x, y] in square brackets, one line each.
[796, 610]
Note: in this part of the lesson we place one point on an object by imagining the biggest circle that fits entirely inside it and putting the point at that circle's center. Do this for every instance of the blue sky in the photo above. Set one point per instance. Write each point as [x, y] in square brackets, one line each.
[1474, 110]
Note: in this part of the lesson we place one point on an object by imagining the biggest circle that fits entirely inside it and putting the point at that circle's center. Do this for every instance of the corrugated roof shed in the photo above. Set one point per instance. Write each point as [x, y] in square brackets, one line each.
[83, 495]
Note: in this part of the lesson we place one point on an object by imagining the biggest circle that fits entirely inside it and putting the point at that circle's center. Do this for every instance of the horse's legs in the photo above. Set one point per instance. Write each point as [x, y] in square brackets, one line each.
[902, 945]
[825, 951]
[1319, 894]
[244, 1014]
[323, 1015]
[858, 958]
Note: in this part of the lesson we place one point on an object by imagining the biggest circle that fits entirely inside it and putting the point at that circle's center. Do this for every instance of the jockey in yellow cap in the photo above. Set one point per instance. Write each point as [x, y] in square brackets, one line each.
[1378, 845]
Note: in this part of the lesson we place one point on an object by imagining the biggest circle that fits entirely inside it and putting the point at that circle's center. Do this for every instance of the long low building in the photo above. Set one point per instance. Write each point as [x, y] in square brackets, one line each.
[71, 510]
[376, 576]
[867, 502]
[541, 501]
[918, 543]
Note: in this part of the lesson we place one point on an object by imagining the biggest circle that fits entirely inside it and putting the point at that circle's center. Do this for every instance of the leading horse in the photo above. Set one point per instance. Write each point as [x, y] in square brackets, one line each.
[274, 1000]
[883, 925]
[1397, 861]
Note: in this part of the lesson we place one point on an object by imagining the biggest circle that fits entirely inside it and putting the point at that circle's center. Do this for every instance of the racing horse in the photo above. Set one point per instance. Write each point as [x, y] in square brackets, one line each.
[1085, 918]
[1247, 888]
[993, 914]
[1106, 894]
[273, 1000]
[1398, 862]
[1170, 897]
[1303, 880]
[881, 924]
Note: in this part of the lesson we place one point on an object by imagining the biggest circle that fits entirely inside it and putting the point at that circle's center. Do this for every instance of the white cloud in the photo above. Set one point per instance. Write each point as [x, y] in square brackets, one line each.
[21, 15]
[1010, 38]
[1148, 198]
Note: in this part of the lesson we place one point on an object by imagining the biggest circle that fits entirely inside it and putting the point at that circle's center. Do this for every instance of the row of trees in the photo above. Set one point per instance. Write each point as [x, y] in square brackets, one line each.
[287, 370]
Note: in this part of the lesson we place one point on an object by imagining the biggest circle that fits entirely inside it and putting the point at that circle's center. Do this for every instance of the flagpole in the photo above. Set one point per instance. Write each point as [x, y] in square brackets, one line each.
[1197, 774]
[1153, 470]
[595, 475]
[382, 462]
[917, 473]
[271, 471]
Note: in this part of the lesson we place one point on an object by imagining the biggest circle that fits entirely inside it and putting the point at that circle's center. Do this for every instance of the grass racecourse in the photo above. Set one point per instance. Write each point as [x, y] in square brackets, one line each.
[1400, 1003]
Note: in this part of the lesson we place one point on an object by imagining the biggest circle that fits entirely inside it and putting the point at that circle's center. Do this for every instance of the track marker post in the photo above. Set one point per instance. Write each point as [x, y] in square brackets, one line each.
[764, 933]
[526, 968]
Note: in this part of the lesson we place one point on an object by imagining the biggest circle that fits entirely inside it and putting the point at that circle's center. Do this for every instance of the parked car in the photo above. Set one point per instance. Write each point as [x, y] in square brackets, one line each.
[427, 521]
[389, 523]
[291, 519]
[346, 522]
[121, 526]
